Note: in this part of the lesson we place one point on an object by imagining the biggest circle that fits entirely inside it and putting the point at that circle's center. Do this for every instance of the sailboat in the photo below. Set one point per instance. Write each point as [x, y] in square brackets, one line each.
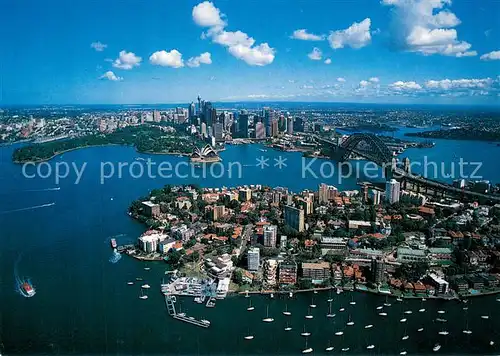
[369, 347]
[288, 327]
[466, 330]
[387, 304]
[402, 353]
[305, 333]
[330, 315]
[443, 332]
[405, 336]
[420, 329]
[267, 319]
[143, 296]
[248, 336]
[382, 314]
[352, 302]
[485, 317]
[436, 347]
[341, 309]
[312, 305]
[309, 316]
[350, 322]
[403, 320]
[441, 312]
[380, 307]
[329, 348]
[307, 350]
[345, 349]
[286, 312]
[339, 333]
[369, 326]
[330, 298]
[130, 283]
[250, 307]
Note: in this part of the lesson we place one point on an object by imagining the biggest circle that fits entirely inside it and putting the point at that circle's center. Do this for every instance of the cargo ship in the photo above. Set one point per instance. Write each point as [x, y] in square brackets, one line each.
[113, 243]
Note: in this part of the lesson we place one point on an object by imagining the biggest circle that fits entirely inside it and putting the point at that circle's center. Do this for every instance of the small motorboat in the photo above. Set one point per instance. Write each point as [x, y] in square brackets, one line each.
[485, 317]
[369, 326]
[369, 347]
[146, 286]
[205, 321]
[380, 307]
[345, 349]
[436, 347]
[403, 320]
[339, 333]
[444, 333]
[441, 312]
[408, 312]
[402, 353]
[421, 310]
[249, 337]
[341, 309]
[420, 330]
[382, 314]
[492, 343]
[406, 337]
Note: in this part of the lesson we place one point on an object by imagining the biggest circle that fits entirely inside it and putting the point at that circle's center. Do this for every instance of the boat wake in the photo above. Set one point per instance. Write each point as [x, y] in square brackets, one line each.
[43, 190]
[115, 257]
[29, 208]
[23, 285]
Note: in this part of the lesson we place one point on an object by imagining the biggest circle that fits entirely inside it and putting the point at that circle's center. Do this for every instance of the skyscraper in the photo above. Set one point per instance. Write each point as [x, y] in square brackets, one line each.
[268, 118]
[191, 111]
[274, 128]
[294, 218]
[377, 270]
[218, 132]
[392, 191]
[289, 125]
[270, 235]
[260, 131]
[299, 124]
[253, 259]
[243, 125]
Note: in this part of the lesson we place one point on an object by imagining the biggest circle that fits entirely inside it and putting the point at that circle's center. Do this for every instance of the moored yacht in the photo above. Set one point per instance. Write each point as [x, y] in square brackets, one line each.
[305, 333]
[250, 307]
[369, 347]
[309, 315]
[369, 326]
[436, 347]
[485, 317]
[267, 319]
[249, 337]
[146, 286]
[339, 333]
[306, 349]
[350, 322]
[286, 312]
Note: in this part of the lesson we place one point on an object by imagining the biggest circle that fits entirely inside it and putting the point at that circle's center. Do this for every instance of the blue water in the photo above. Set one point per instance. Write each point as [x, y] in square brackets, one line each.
[83, 304]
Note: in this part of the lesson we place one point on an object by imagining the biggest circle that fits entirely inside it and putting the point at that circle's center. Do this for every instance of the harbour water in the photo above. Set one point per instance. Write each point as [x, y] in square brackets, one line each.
[83, 303]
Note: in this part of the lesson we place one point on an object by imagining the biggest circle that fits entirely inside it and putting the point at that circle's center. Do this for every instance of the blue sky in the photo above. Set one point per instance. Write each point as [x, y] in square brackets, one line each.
[157, 51]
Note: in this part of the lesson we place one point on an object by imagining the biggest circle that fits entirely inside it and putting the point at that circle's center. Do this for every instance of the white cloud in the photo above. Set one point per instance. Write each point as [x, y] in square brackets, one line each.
[207, 15]
[238, 43]
[110, 76]
[303, 35]
[204, 58]
[167, 59]
[405, 86]
[364, 84]
[492, 56]
[305, 86]
[316, 54]
[127, 60]
[98, 46]
[425, 27]
[341, 80]
[260, 55]
[328, 61]
[374, 79]
[356, 36]
[451, 84]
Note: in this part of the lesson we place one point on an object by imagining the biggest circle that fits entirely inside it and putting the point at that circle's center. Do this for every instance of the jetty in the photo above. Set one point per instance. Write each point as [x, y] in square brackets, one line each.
[170, 303]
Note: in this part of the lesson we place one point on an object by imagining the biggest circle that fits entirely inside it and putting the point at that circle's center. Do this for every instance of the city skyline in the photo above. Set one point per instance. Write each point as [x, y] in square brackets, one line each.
[389, 51]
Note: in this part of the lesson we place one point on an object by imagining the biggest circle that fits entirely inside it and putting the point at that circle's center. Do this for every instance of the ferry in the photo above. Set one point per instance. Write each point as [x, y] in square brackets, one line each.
[113, 243]
[26, 289]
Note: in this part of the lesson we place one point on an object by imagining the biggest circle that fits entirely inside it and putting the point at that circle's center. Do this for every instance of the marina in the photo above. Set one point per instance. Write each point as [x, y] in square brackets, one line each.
[170, 304]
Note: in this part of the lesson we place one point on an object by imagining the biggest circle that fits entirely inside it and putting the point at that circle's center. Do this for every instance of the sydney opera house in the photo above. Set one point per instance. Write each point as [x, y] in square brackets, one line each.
[205, 154]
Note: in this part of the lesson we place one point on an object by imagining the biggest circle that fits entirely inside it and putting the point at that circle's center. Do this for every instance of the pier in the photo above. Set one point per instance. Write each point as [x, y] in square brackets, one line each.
[183, 317]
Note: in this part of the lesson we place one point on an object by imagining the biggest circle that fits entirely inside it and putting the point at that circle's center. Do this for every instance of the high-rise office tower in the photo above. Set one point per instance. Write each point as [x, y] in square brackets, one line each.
[243, 125]
[289, 125]
[191, 111]
[260, 131]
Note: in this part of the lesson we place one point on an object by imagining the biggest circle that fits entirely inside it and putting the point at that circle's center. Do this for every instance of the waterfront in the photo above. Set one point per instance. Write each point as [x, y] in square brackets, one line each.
[84, 305]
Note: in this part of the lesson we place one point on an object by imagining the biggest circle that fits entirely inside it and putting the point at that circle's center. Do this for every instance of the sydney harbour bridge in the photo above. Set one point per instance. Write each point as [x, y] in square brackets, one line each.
[373, 148]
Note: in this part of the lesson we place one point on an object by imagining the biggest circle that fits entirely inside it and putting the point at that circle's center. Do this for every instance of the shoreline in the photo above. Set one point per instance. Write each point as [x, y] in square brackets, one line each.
[40, 160]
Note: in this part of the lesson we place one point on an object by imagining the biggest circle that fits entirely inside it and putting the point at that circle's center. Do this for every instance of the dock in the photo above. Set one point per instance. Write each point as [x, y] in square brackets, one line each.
[169, 301]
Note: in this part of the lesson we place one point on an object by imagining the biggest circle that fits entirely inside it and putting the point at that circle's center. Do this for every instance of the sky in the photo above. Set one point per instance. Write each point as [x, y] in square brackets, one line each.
[171, 51]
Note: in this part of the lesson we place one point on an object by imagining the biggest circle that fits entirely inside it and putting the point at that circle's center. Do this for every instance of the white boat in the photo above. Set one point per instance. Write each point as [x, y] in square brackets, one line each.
[465, 308]
[369, 347]
[498, 299]
[305, 333]
[420, 330]
[272, 295]
[423, 299]
[399, 299]
[329, 348]
[368, 326]
[143, 296]
[330, 315]
[286, 312]
[352, 303]
[382, 314]
[492, 343]
[403, 320]
[402, 353]
[290, 295]
[205, 321]
[350, 323]
[485, 317]
[330, 300]
[246, 294]
[315, 291]
[406, 337]
[307, 350]
[249, 337]
[380, 307]
[288, 327]
[309, 316]
[421, 310]
[387, 304]
[338, 333]
[441, 320]
[181, 314]
[130, 283]
[250, 307]
[441, 312]
[341, 309]
[444, 333]
[345, 349]
[267, 319]
[147, 268]
[408, 312]
[146, 286]
[467, 332]
[436, 347]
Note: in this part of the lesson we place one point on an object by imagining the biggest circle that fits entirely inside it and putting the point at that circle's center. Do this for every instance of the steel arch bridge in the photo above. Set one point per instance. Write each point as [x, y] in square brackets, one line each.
[379, 153]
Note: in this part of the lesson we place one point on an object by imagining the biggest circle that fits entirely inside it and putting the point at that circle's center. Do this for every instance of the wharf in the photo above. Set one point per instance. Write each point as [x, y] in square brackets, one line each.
[169, 301]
